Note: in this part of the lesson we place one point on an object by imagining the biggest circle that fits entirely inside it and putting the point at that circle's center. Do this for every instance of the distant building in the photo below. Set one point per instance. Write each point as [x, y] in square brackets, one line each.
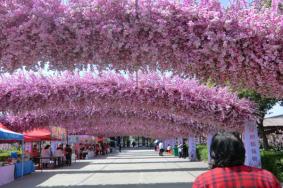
[273, 124]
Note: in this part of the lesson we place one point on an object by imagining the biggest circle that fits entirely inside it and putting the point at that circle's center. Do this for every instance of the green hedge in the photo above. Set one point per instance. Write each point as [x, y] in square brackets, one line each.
[202, 152]
[271, 160]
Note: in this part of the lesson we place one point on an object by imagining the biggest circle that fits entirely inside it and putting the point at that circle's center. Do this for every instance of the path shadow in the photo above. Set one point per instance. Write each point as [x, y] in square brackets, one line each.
[153, 157]
[129, 171]
[74, 166]
[157, 185]
[148, 162]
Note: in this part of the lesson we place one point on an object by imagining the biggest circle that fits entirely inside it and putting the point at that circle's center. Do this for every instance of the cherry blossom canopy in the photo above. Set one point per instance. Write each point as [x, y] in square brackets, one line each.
[113, 104]
[240, 46]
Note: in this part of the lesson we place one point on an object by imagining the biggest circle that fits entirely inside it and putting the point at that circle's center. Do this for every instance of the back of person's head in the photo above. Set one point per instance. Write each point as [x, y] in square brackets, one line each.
[227, 149]
[47, 147]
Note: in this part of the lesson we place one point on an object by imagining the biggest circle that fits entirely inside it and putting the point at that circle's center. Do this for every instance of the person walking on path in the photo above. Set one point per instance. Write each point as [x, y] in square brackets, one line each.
[120, 147]
[228, 170]
[161, 148]
[180, 150]
[68, 153]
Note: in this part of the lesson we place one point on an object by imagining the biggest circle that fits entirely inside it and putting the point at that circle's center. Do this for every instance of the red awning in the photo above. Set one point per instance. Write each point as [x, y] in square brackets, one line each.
[99, 139]
[37, 135]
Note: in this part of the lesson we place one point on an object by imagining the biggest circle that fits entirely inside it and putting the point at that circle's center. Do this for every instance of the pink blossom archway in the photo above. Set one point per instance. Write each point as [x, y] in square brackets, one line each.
[182, 106]
[239, 45]
[99, 120]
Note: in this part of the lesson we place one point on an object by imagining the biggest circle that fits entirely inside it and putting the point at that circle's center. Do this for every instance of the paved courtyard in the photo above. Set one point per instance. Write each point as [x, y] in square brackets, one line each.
[131, 168]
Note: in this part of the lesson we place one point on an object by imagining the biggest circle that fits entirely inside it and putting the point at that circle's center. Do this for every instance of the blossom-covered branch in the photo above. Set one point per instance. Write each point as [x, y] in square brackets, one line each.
[152, 93]
[90, 119]
[239, 46]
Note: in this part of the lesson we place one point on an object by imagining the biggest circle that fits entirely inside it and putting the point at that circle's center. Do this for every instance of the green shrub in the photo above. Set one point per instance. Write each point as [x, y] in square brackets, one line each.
[273, 162]
[202, 152]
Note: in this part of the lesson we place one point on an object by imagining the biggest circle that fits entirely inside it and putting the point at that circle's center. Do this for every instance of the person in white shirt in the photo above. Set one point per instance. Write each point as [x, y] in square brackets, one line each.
[161, 148]
[90, 153]
[59, 154]
[180, 150]
[46, 155]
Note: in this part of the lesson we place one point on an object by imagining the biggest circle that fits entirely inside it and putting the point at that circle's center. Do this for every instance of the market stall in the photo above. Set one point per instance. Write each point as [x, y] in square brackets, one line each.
[54, 136]
[7, 170]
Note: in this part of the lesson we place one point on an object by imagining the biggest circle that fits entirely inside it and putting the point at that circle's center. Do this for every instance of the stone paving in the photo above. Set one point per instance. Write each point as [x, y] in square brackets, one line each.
[131, 168]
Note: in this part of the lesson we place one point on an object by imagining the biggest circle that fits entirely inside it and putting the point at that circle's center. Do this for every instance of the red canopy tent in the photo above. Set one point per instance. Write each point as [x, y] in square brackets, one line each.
[37, 135]
[99, 139]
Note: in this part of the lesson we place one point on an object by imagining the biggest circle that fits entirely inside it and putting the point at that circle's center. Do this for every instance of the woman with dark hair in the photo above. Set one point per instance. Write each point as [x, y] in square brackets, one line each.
[228, 170]
[227, 149]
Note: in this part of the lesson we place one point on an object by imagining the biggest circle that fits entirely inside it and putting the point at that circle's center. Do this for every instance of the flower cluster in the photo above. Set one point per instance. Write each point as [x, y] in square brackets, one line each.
[33, 100]
[241, 46]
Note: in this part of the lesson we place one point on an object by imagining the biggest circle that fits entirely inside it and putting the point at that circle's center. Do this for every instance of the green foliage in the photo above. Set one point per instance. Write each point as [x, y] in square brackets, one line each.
[263, 104]
[268, 4]
[202, 152]
[273, 161]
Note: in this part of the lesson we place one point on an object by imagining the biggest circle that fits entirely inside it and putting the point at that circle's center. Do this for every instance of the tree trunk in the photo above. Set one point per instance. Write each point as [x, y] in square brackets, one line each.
[262, 133]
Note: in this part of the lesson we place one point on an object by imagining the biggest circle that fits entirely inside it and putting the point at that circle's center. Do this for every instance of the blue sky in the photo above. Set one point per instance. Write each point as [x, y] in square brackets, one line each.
[275, 111]
[224, 2]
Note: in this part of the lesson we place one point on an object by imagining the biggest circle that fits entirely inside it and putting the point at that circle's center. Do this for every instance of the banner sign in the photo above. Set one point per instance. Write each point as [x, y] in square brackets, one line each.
[73, 139]
[54, 145]
[192, 148]
[251, 142]
[58, 133]
[84, 139]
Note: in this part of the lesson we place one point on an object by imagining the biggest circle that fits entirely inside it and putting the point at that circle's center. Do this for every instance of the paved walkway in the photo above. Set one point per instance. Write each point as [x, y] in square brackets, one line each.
[129, 169]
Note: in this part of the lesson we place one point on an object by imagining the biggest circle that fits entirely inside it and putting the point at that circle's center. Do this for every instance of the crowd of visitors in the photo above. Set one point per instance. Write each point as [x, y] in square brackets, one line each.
[182, 149]
[63, 155]
[89, 151]
[60, 157]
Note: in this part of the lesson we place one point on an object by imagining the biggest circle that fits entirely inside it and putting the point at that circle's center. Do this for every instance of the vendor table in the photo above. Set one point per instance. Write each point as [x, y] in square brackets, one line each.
[53, 161]
[6, 174]
[28, 168]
